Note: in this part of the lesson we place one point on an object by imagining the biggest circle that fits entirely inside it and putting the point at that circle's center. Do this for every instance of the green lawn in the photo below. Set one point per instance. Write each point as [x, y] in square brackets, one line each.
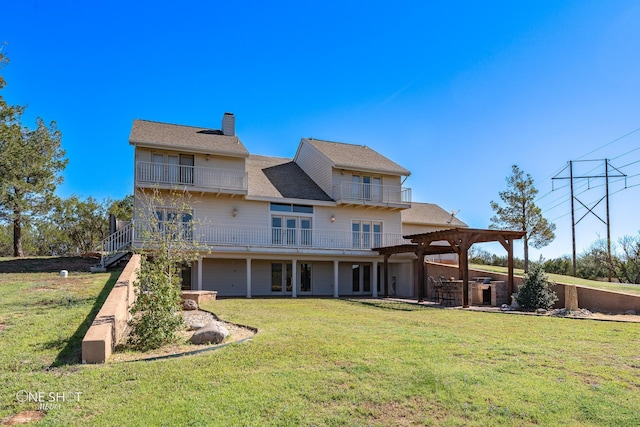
[618, 287]
[323, 362]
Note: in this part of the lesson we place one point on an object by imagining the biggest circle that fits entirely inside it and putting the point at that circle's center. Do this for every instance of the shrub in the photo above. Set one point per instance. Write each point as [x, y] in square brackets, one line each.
[157, 310]
[535, 292]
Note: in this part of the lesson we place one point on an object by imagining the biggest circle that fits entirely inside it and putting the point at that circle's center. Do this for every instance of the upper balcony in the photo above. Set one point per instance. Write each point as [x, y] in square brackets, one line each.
[193, 178]
[371, 194]
[267, 238]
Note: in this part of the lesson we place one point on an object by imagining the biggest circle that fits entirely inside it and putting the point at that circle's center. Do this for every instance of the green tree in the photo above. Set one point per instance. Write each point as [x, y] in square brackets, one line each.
[122, 209]
[30, 161]
[561, 265]
[520, 212]
[535, 292]
[84, 222]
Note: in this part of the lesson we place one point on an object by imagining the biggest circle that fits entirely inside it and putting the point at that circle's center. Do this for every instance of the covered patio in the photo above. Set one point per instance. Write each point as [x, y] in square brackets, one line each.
[455, 240]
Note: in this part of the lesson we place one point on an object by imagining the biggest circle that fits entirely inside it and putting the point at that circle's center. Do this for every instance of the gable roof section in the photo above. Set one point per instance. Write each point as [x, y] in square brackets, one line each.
[429, 214]
[178, 137]
[356, 157]
[275, 177]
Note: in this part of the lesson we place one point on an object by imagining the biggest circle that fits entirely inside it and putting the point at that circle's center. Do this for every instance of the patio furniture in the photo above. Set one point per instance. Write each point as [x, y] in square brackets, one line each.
[437, 289]
[448, 298]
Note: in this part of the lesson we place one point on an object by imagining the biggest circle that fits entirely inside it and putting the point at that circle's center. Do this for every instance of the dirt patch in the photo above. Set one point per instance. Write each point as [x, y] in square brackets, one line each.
[24, 417]
[47, 265]
[2, 326]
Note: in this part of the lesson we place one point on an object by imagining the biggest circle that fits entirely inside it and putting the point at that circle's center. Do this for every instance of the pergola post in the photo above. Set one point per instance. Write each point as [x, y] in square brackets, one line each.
[509, 269]
[464, 267]
[420, 254]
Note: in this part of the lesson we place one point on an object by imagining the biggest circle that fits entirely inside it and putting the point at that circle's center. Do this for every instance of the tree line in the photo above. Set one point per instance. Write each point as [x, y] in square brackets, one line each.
[71, 226]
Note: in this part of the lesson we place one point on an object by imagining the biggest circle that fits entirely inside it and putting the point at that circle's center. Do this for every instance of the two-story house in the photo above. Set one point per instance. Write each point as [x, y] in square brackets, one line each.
[277, 226]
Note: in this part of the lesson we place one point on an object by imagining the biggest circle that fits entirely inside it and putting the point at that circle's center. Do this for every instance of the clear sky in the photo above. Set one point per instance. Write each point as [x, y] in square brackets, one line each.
[455, 91]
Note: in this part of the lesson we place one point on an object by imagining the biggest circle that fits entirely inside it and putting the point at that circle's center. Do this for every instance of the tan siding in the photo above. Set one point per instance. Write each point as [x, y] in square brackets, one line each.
[316, 166]
[220, 162]
[213, 210]
[346, 214]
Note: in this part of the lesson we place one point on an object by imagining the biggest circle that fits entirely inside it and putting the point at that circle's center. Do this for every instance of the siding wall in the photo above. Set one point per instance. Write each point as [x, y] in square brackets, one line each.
[214, 162]
[339, 176]
[315, 165]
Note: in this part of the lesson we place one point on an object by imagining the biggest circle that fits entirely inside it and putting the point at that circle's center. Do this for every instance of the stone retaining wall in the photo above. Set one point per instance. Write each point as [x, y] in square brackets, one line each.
[109, 326]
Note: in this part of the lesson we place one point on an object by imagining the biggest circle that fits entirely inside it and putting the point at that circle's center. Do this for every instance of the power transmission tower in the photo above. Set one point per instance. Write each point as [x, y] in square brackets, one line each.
[572, 178]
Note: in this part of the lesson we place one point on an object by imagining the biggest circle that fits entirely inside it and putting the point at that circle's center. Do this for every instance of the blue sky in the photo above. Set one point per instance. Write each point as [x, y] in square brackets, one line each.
[454, 91]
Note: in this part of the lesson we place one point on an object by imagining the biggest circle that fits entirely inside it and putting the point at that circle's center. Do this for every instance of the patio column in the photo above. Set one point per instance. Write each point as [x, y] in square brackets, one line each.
[336, 276]
[248, 277]
[386, 275]
[294, 278]
[200, 273]
[374, 281]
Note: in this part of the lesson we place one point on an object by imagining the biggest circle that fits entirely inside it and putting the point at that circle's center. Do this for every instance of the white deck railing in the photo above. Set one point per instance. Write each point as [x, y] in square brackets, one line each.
[196, 176]
[116, 243]
[210, 235]
[369, 193]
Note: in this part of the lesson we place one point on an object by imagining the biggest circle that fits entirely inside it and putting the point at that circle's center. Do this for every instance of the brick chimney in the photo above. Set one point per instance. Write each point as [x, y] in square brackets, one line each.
[229, 124]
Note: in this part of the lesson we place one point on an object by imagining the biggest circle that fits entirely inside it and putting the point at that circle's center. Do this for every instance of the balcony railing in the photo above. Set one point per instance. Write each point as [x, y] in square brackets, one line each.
[210, 235]
[164, 174]
[372, 194]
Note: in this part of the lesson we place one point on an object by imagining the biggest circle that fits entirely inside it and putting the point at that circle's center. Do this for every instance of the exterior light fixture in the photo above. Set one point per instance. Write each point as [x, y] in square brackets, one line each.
[333, 218]
[234, 212]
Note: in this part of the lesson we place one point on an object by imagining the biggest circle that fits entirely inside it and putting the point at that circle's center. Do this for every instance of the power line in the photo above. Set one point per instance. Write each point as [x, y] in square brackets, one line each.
[609, 143]
[628, 152]
[632, 163]
[591, 206]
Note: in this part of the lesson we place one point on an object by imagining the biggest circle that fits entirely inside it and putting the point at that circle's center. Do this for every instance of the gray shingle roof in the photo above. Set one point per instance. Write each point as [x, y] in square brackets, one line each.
[430, 214]
[179, 137]
[279, 177]
[356, 157]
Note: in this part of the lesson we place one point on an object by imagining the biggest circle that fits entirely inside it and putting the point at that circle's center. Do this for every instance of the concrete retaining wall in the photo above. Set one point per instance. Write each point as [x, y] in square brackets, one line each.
[109, 325]
[590, 298]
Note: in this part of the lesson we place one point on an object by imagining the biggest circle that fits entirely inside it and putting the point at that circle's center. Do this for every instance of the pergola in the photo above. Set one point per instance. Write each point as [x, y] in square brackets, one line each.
[459, 241]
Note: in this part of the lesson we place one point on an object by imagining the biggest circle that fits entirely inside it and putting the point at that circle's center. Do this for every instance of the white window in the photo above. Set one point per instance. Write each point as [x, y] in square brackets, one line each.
[171, 222]
[281, 277]
[293, 228]
[361, 278]
[172, 168]
[366, 234]
[366, 187]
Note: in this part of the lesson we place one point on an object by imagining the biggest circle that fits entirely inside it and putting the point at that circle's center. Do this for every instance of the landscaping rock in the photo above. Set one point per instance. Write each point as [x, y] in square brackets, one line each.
[189, 304]
[213, 332]
[541, 311]
[630, 312]
[505, 307]
[195, 326]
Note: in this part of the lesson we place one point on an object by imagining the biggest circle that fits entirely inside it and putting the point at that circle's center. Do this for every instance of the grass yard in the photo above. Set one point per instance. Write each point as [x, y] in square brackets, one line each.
[322, 362]
[617, 287]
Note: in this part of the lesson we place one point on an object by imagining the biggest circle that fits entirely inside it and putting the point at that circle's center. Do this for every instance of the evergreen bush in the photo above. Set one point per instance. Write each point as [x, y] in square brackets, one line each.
[535, 292]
